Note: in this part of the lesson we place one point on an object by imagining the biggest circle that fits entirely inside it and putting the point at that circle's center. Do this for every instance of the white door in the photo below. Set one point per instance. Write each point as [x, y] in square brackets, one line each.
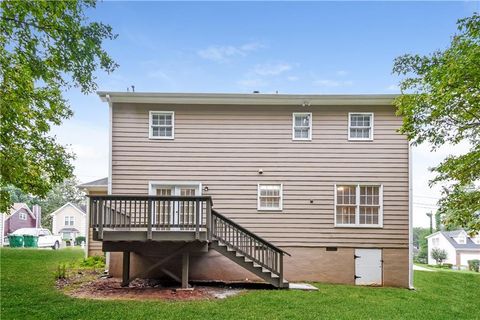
[178, 212]
[368, 267]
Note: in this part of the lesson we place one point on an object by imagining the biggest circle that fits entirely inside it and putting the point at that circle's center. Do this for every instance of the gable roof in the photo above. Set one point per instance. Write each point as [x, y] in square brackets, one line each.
[79, 209]
[450, 235]
[17, 207]
[95, 183]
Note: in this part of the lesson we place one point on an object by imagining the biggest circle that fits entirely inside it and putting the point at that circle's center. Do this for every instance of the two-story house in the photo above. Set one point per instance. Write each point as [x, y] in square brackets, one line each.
[271, 187]
[69, 221]
[458, 245]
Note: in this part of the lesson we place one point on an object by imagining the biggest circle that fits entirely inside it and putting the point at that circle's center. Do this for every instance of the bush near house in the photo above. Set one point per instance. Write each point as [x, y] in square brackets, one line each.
[439, 255]
[474, 265]
[78, 240]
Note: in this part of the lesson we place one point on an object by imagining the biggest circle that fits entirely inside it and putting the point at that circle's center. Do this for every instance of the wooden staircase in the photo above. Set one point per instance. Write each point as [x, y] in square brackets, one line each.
[247, 249]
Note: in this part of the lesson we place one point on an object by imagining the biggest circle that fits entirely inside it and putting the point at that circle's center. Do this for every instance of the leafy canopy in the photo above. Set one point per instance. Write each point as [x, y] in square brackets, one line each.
[45, 47]
[440, 104]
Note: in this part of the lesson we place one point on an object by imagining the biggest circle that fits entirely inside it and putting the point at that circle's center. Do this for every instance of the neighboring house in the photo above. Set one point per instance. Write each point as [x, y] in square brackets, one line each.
[94, 188]
[69, 221]
[303, 188]
[20, 216]
[459, 247]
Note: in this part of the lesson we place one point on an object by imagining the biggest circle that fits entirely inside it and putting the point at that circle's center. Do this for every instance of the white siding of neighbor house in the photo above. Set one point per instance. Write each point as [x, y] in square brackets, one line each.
[443, 244]
[58, 221]
[465, 256]
[223, 147]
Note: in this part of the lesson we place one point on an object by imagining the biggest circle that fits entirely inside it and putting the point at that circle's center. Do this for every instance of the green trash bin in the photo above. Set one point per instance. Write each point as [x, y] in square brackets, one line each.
[30, 241]
[15, 241]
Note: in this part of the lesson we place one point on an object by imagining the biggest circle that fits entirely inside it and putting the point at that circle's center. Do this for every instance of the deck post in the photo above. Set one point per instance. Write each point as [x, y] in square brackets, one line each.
[185, 263]
[100, 219]
[150, 219]
[126, 269]
[280, 279]
[209, 220]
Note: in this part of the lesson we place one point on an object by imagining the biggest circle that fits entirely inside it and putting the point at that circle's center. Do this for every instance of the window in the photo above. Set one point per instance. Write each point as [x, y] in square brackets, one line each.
[360, 126]
[435, 242]
[302, 126]
[69, 220]
[462, 239]
[161, 125]
[270, 197]
[22, 216]
[358, 205]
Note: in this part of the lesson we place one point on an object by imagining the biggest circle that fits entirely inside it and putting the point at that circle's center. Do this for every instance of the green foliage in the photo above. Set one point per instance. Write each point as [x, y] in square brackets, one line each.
[440, 105]
[95, 262]
[474, 265]
[439, 255]
[61, 271]
[79, 240]
[421, 243]
[46, 47]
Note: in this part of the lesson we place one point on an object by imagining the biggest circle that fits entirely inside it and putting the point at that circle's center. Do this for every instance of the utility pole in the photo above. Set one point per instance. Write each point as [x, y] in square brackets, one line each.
[429, 214]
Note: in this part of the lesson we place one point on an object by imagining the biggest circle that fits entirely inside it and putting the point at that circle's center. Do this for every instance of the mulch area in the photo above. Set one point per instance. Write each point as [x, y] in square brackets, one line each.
[91, 285]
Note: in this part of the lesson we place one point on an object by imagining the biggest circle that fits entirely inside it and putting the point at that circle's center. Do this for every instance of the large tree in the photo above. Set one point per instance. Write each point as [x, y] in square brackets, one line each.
[46, 47]
[440, 105]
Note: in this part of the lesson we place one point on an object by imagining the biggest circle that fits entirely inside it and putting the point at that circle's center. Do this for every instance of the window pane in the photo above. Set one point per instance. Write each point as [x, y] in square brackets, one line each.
[361, 133]
[164, 192]
[270, 196]
[345, 215]
[155, 119]
[346, 195]
[369, 195]
[369, 215]
[360, 120]
[302, 120]
[302, 133]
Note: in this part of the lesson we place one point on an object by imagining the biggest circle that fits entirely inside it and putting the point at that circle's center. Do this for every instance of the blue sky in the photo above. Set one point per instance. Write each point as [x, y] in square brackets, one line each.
[307, 47]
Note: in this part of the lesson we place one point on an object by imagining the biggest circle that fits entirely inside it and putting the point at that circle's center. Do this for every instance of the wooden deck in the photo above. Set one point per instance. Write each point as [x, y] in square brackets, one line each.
[142, 223]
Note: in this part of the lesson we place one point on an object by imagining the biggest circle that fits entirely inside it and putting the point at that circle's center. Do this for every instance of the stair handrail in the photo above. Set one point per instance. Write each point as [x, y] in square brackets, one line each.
[248, 232]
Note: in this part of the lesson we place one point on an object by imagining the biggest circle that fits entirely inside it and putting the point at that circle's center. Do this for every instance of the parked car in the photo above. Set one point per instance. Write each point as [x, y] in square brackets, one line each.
[45, 237]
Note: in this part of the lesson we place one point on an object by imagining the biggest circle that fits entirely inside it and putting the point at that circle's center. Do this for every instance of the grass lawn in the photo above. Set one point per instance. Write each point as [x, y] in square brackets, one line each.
[27, 291]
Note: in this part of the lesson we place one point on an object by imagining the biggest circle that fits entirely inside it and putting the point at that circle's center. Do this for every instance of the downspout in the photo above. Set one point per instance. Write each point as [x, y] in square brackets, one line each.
[110, 133]
[410, 222]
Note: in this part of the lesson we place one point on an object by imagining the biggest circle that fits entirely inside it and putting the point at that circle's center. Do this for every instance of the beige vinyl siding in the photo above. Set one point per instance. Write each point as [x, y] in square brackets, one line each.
[223, 147]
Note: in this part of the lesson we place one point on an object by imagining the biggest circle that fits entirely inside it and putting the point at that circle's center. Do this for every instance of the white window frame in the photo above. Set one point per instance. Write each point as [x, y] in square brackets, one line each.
[310, 126]
[371, 114]
[22, 216]
[150, 124]
[357, 205]
[70, 219]
[259, 207]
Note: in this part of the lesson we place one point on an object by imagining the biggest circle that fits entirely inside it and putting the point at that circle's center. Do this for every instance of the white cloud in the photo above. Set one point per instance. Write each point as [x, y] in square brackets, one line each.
[332, 83]
[271, 69]
[252, 83]
[341, 73]
[293, 78]
[393, 87]
[90, 145]
[224, 53]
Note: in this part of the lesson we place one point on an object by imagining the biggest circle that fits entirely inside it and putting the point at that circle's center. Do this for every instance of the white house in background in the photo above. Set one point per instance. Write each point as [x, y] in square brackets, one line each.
[69, 221]
[459, 246]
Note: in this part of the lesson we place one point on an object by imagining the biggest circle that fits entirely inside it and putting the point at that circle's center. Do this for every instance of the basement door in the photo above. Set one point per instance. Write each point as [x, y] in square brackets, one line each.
[368, 267]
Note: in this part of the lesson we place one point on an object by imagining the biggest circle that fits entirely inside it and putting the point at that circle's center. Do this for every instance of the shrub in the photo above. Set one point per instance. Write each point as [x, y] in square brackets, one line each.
[447, 266]
[79, 240]
[474, 265]
[61, 272]
[439, 255]
[95, 262]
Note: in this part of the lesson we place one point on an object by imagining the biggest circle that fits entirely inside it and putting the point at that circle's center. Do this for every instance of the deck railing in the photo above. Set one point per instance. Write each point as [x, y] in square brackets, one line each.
[120, 212]
[247, 243]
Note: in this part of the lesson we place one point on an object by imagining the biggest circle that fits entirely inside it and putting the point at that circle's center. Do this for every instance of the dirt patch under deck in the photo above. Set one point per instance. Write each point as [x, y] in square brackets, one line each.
[81, 285]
